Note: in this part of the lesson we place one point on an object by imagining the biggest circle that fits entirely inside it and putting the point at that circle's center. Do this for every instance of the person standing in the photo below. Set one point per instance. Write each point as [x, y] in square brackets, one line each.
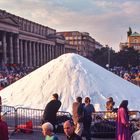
[78, 115]
[51, 110]
[0, 105]
[123, 132]
[88, 110]
[47, 130]
[69, 131]
[3, 130]
[110, 104]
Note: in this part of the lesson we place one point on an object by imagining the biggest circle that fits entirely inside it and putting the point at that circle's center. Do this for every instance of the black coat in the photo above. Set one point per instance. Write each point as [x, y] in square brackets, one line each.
[50, 111]
[74, 136]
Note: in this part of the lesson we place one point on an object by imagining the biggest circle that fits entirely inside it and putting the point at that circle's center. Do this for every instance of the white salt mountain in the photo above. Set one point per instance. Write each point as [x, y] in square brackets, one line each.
[70, 75]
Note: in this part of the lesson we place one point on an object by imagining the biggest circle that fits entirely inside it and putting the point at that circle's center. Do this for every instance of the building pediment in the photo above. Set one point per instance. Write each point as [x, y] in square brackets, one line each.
[9, 21]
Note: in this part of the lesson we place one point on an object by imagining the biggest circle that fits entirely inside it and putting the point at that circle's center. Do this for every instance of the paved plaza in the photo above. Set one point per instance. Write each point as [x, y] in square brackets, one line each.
[21, 136]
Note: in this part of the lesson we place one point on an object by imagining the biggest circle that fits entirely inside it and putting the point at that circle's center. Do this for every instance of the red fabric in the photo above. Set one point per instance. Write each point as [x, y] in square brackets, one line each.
[3, 130]
[25, 128]
[123, 132]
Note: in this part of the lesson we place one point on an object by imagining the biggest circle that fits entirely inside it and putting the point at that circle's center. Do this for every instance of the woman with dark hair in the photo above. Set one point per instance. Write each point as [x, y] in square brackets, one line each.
[123, 132]
[88, 110]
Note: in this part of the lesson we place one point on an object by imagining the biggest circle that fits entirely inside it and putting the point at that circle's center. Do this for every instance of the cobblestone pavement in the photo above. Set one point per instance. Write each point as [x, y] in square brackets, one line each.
[37, 135]
[22, 136]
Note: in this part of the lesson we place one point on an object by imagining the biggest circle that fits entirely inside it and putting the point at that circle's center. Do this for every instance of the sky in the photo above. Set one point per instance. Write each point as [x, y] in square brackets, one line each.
[70, 75]
[107, 21]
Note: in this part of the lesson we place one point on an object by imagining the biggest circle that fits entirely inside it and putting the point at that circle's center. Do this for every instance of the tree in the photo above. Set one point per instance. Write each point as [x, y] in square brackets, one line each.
[100, 56]
[126, 57]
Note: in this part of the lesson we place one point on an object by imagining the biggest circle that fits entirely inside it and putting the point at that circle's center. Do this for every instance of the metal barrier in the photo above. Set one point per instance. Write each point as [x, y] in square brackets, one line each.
[27, 114]
[9, 115]
[103, 123]
[17, 118]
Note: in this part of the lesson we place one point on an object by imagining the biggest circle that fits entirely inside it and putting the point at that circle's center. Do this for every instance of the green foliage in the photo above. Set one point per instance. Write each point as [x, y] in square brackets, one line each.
[126, 57]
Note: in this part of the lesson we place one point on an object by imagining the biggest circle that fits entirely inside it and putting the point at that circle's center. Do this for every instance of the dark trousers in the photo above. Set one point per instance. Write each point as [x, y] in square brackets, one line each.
[87, 125]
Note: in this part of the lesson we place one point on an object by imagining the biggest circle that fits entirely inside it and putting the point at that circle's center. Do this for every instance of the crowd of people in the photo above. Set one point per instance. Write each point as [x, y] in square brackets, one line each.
[9, 75]
[80, 122]
[131, 74]
[82, 119]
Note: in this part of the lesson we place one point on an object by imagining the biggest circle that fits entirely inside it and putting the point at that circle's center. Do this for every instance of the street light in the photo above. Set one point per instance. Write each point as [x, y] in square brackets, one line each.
[108, 57]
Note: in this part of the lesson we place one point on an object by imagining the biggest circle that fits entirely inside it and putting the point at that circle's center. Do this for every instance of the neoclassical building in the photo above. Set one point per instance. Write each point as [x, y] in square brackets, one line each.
[27, 43]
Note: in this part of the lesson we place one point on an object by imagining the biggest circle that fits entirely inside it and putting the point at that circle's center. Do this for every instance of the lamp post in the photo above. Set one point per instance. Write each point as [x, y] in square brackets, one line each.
[108, 58]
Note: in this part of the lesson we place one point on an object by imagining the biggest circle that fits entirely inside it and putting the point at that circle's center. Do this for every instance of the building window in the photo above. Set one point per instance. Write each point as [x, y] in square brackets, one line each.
[67, 38]
[79, 42]
[135, 40]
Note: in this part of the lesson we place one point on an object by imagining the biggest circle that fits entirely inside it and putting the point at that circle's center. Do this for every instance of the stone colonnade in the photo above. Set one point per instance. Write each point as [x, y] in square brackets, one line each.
[14, 49]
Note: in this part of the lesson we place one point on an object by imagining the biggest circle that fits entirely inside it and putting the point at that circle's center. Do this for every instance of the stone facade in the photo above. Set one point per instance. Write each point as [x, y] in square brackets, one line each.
[82, 41]
[133, 40]
[27, 43]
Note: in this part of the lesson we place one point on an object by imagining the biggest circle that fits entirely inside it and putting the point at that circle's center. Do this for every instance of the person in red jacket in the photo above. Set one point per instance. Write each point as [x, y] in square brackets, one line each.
[3, 130]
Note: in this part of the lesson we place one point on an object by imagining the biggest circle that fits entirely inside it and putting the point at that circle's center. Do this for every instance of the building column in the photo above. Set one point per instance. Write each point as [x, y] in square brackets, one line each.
[17, 57]
[21, 51]
[4, 47]
[11, 49]
[30, 53]
[63, 49]
[34, 55]
[47, 53]
[44, 53]
[52, 52]
[55, 51]
[41, 54]
[37, 50]
[26, 54]
[60, 49]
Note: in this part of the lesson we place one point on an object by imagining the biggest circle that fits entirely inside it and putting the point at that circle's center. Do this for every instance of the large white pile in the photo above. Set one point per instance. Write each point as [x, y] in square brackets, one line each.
[70, 75]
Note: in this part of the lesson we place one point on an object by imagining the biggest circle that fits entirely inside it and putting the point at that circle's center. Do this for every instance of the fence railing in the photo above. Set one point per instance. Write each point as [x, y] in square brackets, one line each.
[19, 117]
[103, 122]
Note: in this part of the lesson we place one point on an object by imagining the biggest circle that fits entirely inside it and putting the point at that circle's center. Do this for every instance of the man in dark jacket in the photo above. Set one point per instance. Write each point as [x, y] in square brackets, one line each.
[69, 131]
[51, 110]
